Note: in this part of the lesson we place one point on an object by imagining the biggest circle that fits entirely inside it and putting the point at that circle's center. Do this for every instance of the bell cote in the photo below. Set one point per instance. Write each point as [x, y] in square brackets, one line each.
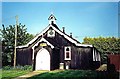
[52, 19]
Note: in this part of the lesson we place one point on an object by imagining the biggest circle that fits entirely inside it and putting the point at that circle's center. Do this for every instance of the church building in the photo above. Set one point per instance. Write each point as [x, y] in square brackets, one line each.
[53, 49]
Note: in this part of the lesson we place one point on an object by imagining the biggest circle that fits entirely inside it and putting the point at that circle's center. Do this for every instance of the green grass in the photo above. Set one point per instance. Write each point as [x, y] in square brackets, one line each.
[9, 74]
[0, 73]
[61, 74]
[74, 74]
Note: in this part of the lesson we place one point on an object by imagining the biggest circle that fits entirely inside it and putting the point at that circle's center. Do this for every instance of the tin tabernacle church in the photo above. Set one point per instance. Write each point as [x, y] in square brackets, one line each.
[53, 49]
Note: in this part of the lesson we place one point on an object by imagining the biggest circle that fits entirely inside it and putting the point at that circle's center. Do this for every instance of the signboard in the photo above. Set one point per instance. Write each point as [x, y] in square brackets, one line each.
[43, 44]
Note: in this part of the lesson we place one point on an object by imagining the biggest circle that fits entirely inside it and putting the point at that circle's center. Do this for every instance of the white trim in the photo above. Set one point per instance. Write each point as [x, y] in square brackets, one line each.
[99, 59]
[93, 54]
[22, 46]
[33, 54]
[41, 33]
[35, 37]
[84, 45]
[42, 39]
[96, 55]
[61, 33]
[70, 39]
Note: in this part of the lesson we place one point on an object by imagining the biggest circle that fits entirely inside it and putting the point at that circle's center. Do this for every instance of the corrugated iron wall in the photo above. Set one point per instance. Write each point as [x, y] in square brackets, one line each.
[114, 60]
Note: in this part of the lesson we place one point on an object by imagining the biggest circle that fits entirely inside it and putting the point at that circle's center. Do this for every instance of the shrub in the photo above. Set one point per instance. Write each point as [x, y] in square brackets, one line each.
[18, 67]
[7, 67]
[26, 67]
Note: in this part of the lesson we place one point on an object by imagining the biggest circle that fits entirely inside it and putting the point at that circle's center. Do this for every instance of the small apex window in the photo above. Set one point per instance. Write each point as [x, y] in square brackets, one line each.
[51, 33]
[67, 51]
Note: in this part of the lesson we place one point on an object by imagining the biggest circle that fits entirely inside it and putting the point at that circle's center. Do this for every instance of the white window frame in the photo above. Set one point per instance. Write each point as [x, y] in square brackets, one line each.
[53, 35]
[66, 52]
[96, 55]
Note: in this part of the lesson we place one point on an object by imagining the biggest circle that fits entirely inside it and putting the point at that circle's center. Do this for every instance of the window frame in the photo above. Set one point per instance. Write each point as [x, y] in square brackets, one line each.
[96, 55]
[65, 53]
[49, 35]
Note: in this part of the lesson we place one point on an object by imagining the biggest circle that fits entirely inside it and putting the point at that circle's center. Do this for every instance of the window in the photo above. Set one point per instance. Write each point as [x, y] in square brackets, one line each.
[96, 55]
[67, 54]
[51, 33]
[67, 51]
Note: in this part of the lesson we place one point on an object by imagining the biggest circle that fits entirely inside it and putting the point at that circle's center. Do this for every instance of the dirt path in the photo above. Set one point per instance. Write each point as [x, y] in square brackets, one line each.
[30, 74]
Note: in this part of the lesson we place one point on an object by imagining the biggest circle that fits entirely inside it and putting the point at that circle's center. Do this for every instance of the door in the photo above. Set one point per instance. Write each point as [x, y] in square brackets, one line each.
[42, 60]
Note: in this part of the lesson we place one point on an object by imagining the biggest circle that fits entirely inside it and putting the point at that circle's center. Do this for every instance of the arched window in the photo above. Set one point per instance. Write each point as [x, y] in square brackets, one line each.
[67, 49]
[67, 52]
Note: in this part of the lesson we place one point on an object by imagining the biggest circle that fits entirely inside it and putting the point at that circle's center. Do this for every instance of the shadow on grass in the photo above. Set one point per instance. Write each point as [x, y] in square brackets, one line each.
[77, 74]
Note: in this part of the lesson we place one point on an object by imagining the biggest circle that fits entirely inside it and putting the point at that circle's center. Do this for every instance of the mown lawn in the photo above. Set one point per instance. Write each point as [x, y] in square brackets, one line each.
[61, 74]
[0, 73]
[9, 74]
[75, 74]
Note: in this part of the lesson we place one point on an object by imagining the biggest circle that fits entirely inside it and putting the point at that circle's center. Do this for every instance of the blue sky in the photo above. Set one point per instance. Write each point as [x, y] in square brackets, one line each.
[91, 19]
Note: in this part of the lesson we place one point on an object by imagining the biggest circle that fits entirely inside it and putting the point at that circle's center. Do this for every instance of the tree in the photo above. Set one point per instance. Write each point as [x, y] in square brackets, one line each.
[8, 39]
[108, 45]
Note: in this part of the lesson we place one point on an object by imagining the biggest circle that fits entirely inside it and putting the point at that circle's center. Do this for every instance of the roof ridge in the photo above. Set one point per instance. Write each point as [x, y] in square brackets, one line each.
[77, 43]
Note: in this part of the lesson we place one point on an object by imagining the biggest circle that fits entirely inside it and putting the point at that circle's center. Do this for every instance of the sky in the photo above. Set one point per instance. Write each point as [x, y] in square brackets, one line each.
[83, 19]
[59, 0]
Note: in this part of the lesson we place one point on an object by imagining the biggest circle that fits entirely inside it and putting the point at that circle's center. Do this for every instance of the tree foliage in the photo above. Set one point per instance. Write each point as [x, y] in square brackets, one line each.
[108, 45]
[8, 39]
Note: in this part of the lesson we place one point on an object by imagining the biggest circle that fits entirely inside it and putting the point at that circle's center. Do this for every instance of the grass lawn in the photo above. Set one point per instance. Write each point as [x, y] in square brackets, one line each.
[75, 74]
[0, 73]
[9, 74]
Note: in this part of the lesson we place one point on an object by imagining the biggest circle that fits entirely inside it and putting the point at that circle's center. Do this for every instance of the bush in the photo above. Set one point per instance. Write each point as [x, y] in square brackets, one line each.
[19, 67]
[26, 67]
[7, 67]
